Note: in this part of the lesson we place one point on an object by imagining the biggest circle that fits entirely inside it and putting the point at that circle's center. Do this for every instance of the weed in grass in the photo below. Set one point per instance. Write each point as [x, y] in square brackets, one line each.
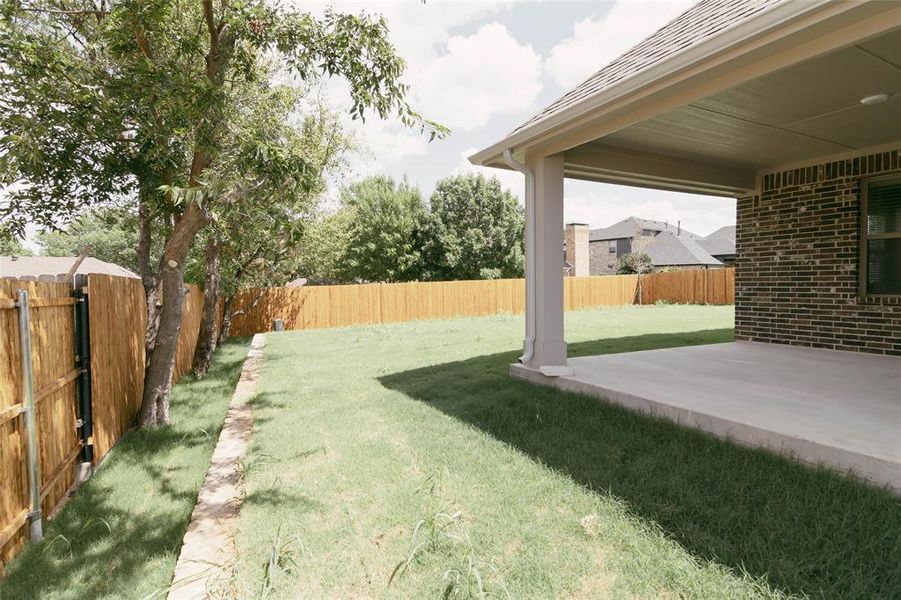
[282, 560]
[441, 529]
[81, 538]
[54, 542]
[433, 528]
[465, 580]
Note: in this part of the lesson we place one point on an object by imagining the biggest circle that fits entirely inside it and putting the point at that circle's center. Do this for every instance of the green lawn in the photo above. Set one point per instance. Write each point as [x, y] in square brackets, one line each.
[119, 536]
[408, 450]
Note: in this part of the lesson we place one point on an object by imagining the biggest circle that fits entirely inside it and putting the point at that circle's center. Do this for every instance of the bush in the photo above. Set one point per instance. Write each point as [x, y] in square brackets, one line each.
[634, 263]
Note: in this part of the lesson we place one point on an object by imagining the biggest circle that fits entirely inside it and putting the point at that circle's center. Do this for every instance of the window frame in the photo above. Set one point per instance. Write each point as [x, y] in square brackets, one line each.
[865, 236]
[612, 246]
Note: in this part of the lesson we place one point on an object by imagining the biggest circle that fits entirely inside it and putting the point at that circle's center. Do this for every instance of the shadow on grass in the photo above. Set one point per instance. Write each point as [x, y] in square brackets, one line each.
[119, 535]
[807, 531]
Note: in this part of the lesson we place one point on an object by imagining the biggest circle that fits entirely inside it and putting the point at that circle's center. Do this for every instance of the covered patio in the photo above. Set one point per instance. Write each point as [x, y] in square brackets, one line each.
[820, 406]
[792, 109]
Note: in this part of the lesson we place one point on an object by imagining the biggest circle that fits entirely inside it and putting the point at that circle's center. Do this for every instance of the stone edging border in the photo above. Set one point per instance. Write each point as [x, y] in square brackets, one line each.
[208, 547]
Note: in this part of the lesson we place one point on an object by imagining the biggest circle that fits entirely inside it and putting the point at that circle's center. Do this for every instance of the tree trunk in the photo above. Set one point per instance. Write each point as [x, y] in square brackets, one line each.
[208, 335]
[148, 276]
[158, 376]
[226, 319]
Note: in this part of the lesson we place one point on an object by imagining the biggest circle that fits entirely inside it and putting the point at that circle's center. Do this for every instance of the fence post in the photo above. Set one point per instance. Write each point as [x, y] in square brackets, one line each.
[84, 400]
[31, 430]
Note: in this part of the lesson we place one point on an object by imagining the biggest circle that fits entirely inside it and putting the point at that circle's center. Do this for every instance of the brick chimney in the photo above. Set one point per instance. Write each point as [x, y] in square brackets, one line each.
[577, 248]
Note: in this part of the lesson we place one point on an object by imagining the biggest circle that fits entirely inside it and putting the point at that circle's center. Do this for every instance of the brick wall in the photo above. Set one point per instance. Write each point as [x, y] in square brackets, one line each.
[797, 267]
[601, 261]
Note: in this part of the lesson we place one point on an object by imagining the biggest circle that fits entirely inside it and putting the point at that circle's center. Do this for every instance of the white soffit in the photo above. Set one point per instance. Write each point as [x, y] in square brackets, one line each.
[808, 110]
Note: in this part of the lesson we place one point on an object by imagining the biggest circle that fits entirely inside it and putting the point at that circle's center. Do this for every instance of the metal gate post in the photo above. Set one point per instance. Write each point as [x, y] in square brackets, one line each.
[31, 429]
[83, 353]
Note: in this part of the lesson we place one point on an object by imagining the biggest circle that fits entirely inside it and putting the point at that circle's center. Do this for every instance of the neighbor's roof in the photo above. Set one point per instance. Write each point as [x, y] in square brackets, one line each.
[700, 22]
[669, 249]
[37, 266]
[630, 227]
[718, 246]
[723, 233]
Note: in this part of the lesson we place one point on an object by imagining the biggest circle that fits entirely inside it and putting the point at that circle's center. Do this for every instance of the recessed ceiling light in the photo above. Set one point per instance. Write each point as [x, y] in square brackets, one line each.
[874, 99]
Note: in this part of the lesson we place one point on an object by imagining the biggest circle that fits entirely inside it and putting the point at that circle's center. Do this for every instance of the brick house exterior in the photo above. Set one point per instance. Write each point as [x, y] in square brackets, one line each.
[668, 246]
[798, 247]
[603, 262]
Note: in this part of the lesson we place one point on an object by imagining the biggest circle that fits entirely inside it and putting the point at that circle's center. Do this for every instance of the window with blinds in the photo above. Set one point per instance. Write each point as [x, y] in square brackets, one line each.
[880, 270]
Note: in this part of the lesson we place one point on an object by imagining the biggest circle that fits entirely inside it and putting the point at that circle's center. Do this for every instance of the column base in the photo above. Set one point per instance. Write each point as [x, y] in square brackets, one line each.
[547, 354]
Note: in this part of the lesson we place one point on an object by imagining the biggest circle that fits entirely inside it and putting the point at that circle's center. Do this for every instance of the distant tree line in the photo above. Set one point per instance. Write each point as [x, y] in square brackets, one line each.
[384, 231]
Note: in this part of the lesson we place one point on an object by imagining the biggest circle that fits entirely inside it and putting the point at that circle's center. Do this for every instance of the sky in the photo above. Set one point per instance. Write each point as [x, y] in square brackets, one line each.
[482, 68]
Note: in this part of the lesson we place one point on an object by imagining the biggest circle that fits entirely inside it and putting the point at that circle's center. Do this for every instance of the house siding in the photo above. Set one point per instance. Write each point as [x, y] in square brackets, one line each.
[797, 264]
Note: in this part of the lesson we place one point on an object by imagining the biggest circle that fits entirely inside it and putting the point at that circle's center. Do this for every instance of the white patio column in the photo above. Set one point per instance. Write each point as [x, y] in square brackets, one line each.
[549, 349]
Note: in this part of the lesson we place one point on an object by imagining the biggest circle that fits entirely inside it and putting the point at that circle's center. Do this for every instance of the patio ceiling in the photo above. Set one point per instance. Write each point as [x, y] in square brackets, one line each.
[718, 144]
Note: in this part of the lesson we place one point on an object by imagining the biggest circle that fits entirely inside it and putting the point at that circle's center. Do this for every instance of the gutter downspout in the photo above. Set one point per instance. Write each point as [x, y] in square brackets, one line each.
[529, 343]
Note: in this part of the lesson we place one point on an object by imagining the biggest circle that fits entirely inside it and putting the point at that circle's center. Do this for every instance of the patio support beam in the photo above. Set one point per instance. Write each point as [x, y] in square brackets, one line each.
[549, 345]
[611, 164]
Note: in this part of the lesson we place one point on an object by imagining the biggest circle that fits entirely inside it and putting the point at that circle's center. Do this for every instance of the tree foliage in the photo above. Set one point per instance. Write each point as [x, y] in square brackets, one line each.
[143, 99]
[474, 230]
[383, 217]
[320, 257]
[111, 234]
[10, 246]
[634, 263]
[101, 98]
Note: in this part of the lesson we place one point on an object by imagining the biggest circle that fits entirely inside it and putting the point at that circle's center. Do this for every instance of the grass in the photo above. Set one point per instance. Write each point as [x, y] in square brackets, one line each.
[403, 461]
[119, 536]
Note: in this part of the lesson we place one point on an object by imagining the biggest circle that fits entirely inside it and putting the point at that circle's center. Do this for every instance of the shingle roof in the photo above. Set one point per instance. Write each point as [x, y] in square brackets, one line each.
[723, 233]
[669, 249]
[718, 246]
[37, 266]
[702, 21]
[632, 226]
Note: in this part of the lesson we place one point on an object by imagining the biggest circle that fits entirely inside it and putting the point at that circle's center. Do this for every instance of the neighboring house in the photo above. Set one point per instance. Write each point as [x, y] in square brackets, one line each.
[635, 235]
[55, 268]
[669, 250]
[792, 109]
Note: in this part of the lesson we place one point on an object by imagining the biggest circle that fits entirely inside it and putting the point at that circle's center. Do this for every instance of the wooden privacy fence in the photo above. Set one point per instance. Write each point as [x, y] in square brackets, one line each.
[82, 406]
[314, 307]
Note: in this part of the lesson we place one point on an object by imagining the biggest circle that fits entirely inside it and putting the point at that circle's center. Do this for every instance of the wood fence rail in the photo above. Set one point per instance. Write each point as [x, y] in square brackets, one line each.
[117, 316]
[314, 307]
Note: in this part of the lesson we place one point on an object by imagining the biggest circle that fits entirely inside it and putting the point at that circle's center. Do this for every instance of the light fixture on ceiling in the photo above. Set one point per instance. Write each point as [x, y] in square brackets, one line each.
[874, 99]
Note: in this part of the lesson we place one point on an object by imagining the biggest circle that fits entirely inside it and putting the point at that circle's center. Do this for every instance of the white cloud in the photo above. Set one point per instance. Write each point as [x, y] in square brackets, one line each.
[602, 205]
[478, 76]
[596, 41]
[418, 30]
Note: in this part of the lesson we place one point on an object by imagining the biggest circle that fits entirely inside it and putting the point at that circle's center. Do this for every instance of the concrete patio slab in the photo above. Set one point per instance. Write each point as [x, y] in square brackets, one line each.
[842, 409]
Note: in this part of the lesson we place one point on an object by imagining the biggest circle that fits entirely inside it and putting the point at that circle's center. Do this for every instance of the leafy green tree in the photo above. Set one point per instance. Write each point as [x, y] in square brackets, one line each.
[139, 99]
[474, 231]
[325, 240]
[384, 218]
[110, 233]
[10, 246]
[256, 238]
